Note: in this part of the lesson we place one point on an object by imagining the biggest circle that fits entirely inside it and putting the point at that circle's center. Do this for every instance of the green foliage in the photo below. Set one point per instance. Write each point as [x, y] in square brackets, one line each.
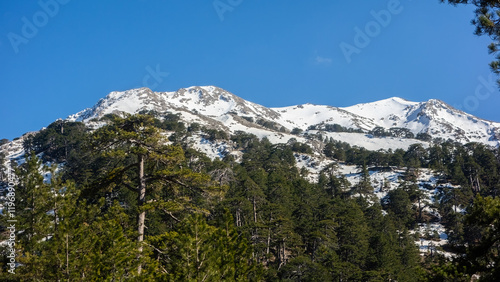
[423, 136]
[34, 201]
[296, 131]
[303, 269]
[64, 238]
[255, 220]
[415, 156]
[301, 148]
[483, 220]
[58, 141]
[334, 128]
[480, 243]
[398, 132]
[364, 187]
[214, 134]
[399, 207]
[353, 244]
[336, 150]
[197, 251]
[378, 132]
[193, 127]
[271, 125]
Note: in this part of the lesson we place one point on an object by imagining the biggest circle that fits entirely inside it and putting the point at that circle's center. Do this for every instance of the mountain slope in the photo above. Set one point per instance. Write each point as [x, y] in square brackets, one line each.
[433, 117]
[215, 107]
[208, 101]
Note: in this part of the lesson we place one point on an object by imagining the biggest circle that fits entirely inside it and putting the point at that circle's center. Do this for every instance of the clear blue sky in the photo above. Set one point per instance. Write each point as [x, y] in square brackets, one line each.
[58, 60]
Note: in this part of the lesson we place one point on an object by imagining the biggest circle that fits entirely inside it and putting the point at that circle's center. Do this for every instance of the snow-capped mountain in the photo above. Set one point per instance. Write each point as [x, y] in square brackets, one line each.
[209, 101]
[215, 107]
[433, 117]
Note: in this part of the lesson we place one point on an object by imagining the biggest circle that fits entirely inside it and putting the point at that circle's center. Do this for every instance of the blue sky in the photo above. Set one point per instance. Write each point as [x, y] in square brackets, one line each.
[58, 57]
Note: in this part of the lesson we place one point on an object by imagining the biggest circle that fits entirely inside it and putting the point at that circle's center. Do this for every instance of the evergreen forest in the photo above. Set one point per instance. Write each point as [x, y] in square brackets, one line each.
[132, 200]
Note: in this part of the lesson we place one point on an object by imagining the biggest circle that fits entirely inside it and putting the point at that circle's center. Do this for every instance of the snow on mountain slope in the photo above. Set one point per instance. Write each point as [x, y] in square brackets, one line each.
[302, 116]
[430, 236]
[374, 143]
[386, 113]
[433, 117]
[209, 101]
[215, 107]
[447, 122]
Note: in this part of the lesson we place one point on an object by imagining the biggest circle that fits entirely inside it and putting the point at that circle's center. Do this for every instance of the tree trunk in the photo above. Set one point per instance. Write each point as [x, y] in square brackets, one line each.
[478, 185]
[141, 200]
[67, 257]
[238, 218]
[419, 210]
[254, 211]
[268, 240]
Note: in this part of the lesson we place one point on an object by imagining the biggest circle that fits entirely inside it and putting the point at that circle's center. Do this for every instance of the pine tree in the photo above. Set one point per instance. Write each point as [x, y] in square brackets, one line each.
[483, 219]
[138, 160]
[233, 253]
[352, 234]
[93, 245]
[415, 156]
[364, 187]
[436, 158]
[197, 251]
[64, 238]
[383, 258]
[399, 207]
[34, 203]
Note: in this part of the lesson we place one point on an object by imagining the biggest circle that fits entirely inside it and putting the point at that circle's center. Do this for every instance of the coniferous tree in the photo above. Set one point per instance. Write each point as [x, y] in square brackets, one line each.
[197, 251]
[399, 208]
[138, 160]
[352, 234]
[364, 187]
[34, 202]
[482, 250]
[64, 238]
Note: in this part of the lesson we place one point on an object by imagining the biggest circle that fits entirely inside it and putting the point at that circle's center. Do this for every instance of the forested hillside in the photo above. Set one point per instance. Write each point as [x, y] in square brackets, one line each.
[133, 200]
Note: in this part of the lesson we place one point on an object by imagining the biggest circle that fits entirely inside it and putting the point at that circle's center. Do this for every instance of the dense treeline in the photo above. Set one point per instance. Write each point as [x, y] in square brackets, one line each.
[131, 202]
[301, 231]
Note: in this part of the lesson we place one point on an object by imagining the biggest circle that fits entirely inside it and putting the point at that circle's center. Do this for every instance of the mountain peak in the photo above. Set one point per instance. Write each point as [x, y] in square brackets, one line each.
[399, 99]
[208, 88]
[214, 106]
[395, 99]
[382, 108]
[209, 101]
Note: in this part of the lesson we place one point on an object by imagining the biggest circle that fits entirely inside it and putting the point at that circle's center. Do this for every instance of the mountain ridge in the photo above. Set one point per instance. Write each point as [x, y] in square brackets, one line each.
[219, 106]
